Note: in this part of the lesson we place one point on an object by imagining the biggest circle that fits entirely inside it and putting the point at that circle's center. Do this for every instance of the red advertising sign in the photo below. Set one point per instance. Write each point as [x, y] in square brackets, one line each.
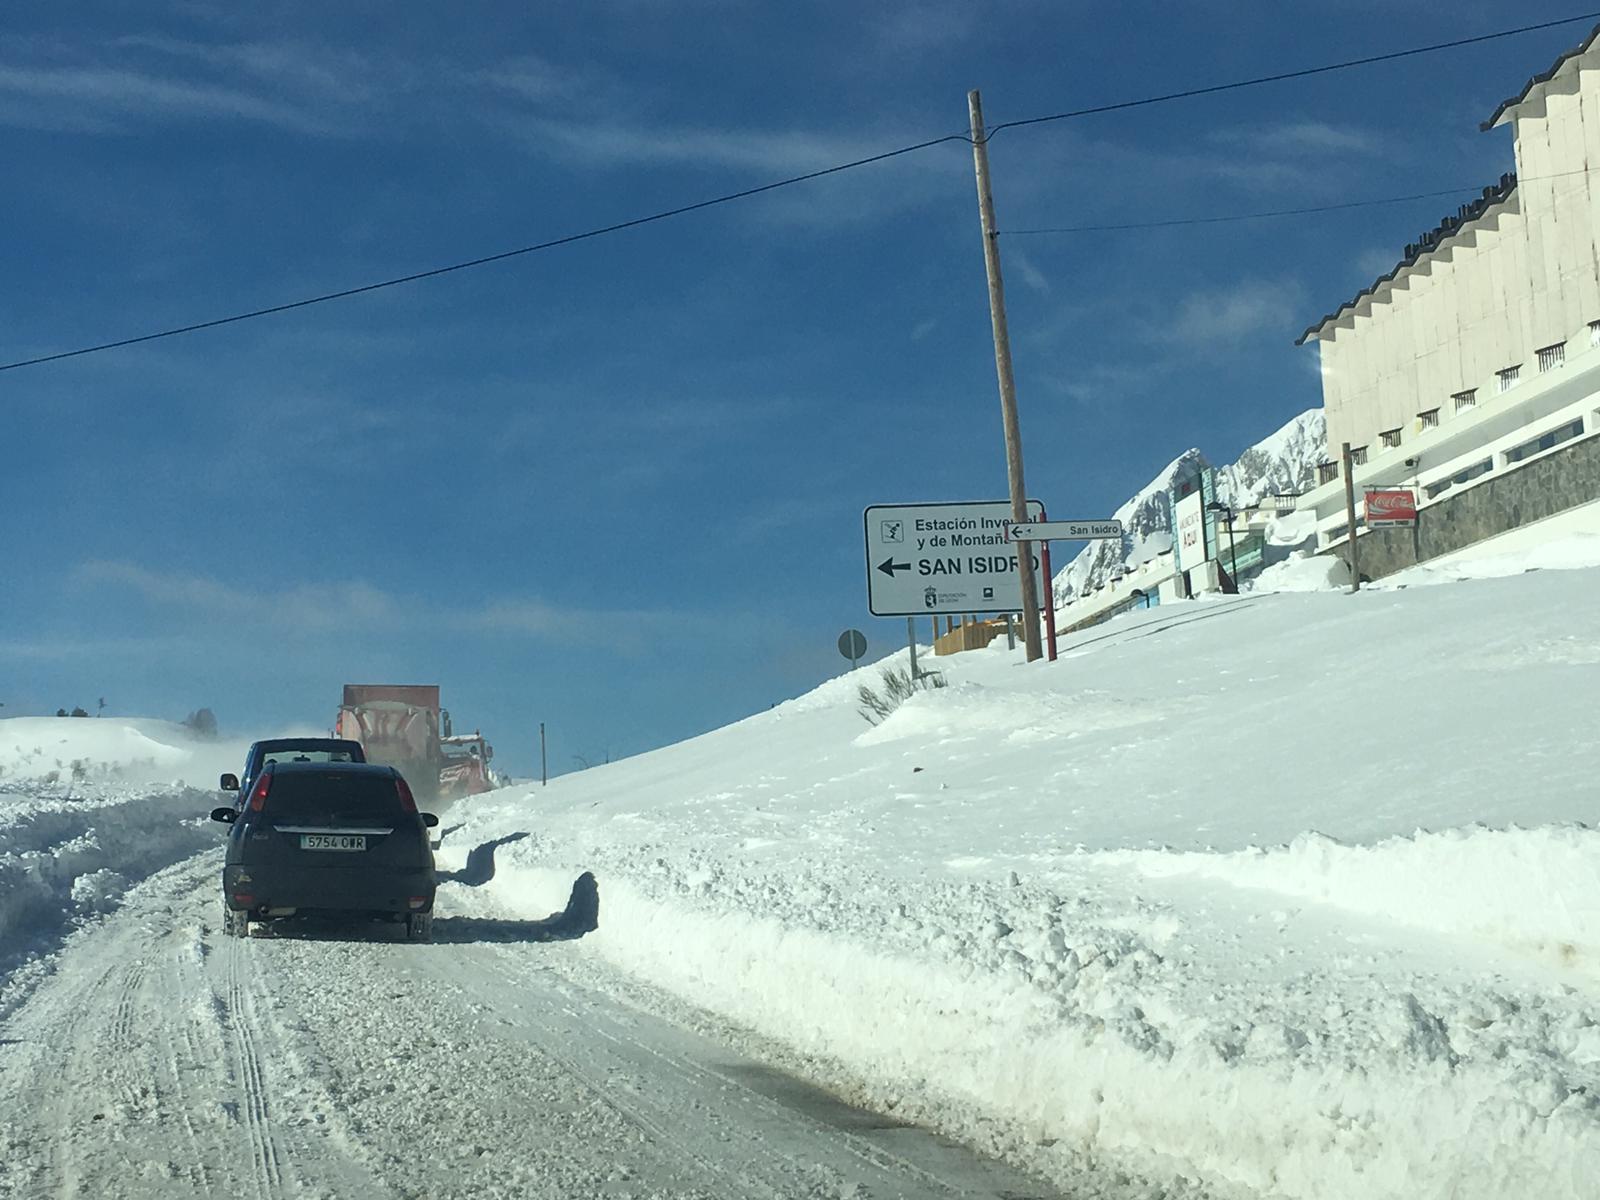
[1391, 506]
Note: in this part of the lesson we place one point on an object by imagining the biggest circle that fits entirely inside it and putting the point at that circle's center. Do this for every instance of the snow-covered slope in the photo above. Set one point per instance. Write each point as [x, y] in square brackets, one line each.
[1284, 462]
[1296, 897]
[1284, 895]
[68, 750]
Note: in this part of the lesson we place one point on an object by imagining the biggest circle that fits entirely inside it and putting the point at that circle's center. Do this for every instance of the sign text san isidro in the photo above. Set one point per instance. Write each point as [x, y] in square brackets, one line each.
[945, 558]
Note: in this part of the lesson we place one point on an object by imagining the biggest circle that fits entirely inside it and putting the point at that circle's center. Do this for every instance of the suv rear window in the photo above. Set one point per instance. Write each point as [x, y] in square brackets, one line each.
[307, 756]
[302, 795]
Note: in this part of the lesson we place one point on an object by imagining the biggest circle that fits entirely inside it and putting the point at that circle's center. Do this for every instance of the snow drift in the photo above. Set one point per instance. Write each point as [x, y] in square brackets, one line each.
[1291, 894]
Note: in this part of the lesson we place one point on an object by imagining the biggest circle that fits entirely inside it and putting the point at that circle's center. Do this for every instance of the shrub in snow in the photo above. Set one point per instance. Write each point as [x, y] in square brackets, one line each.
[202, 723]
[898, 687]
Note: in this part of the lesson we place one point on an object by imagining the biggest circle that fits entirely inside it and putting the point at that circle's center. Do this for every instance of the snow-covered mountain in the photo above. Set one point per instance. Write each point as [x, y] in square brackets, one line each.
[1284, 462]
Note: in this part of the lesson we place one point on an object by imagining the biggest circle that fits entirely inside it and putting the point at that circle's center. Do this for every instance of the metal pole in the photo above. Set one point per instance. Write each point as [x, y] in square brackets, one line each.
[911, 638]
[1049, 600]
[544, 768]
[1011, 634]
[1002, 364]
[1233, 561]
[1352, 555]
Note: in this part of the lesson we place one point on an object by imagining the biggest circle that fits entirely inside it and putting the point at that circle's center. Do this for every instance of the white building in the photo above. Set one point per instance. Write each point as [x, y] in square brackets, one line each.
[1479, 354]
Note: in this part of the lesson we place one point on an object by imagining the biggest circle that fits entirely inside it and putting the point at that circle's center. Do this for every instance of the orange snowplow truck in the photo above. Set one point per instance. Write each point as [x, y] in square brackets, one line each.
[403, 726]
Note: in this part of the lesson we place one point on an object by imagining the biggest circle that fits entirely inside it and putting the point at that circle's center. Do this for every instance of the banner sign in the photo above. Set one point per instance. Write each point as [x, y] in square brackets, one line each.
[1189, 533]
[1391, 506]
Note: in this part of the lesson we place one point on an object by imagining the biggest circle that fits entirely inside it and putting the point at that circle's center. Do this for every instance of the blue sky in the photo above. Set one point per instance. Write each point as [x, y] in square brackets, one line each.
[617, 487]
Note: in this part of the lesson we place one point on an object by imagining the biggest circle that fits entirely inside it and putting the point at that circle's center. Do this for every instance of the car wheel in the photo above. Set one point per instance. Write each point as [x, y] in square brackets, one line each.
[235, 922]
[419, 927]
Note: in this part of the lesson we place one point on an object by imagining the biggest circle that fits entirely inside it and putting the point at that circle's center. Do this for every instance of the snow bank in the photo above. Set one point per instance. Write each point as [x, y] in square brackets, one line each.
[85, 750]
[1076, 912]
[64, 860]
[1303, 572]
[1534, 891]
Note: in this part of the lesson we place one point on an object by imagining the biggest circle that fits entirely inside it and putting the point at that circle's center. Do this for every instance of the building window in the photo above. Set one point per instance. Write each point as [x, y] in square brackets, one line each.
[1327, 472]
[1358, 455]
[1508, 377]
[1391, 437]
[1429, 419]
[1552, 357]
[1467, 476]
[1465, 399]
[1547, 441]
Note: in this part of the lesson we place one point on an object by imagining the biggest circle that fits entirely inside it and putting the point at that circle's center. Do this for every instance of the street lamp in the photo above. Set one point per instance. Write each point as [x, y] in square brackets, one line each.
[1217, 506]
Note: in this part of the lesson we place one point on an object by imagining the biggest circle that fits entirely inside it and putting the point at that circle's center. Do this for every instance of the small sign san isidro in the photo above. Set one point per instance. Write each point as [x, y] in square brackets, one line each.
[944, 559]
[1391, 506]
[1065, 531]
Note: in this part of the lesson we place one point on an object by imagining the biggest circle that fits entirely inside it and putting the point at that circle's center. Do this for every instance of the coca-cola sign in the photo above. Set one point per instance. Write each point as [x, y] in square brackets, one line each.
[1391, 506]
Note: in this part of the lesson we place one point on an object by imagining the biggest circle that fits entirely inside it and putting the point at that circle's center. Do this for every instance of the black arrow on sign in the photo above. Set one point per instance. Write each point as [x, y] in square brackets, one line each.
[888, 566]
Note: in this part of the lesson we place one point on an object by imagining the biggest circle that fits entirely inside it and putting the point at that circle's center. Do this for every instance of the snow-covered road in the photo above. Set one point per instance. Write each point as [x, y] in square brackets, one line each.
[161, 1058]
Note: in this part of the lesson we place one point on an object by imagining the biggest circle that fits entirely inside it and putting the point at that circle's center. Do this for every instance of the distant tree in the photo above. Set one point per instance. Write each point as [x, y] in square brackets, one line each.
[61, 712]
[102, 707]
[79, 712]
[202, 723]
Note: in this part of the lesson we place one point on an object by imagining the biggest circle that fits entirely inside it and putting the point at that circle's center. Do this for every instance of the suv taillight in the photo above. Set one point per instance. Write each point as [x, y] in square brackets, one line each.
[408, 802]
[258, 796]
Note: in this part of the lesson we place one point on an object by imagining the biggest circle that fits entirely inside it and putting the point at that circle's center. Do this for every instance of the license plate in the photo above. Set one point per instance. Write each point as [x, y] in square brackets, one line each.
[332, 841]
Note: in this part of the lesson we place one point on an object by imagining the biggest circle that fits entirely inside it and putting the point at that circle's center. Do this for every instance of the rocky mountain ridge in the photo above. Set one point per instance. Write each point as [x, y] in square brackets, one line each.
[1286, 461]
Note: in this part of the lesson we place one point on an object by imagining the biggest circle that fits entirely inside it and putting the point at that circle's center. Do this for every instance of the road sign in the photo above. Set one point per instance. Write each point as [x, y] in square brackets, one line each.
[852, 644]
[948, 558]
[1064, 531]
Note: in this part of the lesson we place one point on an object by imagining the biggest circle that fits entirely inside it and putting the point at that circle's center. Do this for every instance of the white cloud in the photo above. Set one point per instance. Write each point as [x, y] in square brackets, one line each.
[1232, 314]
[352, 606]
[1301, 137]
[91, 98]
[1031, 275]
[306, 606]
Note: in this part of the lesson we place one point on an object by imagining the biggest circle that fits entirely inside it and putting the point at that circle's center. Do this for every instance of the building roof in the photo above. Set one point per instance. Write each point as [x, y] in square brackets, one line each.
[1565, 65]
[1495, 193]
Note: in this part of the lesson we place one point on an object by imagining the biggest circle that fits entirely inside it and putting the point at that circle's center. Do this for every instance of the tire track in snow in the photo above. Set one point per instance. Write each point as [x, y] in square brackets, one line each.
[253, 1108]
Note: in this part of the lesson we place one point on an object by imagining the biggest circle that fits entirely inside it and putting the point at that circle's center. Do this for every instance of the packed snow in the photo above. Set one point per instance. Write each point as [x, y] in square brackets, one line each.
[1293, 894]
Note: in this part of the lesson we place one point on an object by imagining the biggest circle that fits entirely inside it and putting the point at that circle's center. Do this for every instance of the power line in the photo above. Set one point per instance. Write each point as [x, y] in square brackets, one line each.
[730, 197]
[1304, 73]
[1227, 218]
[486, 259]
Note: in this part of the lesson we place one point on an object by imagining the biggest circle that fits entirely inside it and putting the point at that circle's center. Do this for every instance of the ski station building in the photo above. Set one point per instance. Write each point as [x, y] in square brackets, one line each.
[1470, 373]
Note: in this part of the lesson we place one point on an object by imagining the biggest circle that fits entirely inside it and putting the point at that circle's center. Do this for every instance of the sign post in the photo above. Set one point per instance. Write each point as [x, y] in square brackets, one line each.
[1044, 532]
[949, 559]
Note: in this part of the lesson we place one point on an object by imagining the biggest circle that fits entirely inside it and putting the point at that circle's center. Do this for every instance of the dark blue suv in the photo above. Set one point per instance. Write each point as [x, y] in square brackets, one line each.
[324, 838]
[311, 750]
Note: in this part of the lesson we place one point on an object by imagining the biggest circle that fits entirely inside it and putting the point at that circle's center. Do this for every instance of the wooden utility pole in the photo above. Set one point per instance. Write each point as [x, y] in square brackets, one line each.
[1352, 555]
[544, 769]
[1002, 365]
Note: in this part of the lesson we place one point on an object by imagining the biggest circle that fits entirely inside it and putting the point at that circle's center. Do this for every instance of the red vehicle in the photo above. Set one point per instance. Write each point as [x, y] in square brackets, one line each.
[404, 726]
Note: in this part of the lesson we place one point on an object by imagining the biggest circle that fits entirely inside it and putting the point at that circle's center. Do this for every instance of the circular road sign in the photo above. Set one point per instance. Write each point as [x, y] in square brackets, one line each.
[852, 644]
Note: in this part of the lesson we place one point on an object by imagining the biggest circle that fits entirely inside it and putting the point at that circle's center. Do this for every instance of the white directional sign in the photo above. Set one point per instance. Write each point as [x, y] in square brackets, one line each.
[945, 558]
[1064, 531]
